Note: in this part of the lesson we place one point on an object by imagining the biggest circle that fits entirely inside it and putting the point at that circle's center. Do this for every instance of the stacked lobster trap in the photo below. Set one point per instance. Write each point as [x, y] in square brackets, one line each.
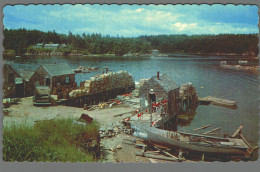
[100, 88]
[104, 82]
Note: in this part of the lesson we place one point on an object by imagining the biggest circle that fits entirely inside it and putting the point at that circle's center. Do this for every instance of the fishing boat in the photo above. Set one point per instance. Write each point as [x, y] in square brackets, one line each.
[77, 70]
[83, 69]
[92, 68]
[192, 142]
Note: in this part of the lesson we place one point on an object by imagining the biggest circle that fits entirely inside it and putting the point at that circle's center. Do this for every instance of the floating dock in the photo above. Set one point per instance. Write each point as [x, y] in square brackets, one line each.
[218, 101]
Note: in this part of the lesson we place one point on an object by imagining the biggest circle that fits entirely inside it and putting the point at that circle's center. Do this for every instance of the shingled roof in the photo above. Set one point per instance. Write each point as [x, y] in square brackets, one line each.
[6, 64]
[58, 69]
[165, 82]
[26, 74]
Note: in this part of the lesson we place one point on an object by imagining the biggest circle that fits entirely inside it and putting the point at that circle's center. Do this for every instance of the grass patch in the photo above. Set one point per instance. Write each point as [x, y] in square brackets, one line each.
[54, 140]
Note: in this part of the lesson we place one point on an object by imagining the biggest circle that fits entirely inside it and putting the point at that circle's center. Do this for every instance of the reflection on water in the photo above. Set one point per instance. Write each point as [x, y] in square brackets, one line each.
[204, 74]
[182, 120]
[186, 118]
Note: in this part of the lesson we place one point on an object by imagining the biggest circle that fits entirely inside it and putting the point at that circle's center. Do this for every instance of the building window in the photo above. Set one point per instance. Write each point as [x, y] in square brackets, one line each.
[11, 77]
[67, 79]
[47, 81]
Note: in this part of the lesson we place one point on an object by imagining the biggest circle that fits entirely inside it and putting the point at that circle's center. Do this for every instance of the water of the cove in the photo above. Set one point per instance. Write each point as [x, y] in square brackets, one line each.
[203, 72]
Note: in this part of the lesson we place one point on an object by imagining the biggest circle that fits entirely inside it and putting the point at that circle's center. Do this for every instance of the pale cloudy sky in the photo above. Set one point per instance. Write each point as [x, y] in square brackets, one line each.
[134, 20]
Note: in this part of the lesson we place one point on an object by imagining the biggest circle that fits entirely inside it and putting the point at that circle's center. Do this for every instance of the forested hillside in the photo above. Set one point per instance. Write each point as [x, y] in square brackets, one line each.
[224, 43]
[20, 40]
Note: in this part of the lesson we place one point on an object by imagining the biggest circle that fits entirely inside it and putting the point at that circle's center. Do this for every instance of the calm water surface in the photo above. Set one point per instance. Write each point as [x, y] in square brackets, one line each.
[202, 72]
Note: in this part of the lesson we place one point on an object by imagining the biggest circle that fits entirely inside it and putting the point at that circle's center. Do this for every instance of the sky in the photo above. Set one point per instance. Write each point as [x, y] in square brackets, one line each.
[134, 20]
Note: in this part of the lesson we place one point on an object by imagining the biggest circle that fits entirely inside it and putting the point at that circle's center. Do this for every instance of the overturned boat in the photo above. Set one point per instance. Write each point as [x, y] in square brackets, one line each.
[193, 142]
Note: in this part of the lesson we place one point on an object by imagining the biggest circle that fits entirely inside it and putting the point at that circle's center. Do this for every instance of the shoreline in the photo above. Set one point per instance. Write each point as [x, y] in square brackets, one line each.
[134, 55]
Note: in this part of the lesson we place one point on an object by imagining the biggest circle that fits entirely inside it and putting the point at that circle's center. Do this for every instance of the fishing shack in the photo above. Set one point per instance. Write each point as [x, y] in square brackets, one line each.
[14, 84]
[158, 89]
[59, 77]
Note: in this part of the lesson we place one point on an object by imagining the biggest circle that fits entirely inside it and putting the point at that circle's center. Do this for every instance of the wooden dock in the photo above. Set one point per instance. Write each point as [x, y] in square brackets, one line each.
[218, 101]
[94, 99]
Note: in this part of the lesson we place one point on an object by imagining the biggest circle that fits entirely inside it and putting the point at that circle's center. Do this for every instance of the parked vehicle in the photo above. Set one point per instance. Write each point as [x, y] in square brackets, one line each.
[42, 96]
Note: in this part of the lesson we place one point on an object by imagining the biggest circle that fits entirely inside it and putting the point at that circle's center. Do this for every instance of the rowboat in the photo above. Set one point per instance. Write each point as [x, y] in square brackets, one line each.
[192, 142]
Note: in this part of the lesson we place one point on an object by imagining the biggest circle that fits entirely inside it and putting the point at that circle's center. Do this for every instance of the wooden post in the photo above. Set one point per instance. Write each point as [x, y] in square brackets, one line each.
[203, 157]
[188, 98]
[90, 100]
[216, 129]
[238, 131]
[162, 122]
[180, 156]
[151, 120]
[203, 127]
[81, 100]
[246, 142]
[181, 105]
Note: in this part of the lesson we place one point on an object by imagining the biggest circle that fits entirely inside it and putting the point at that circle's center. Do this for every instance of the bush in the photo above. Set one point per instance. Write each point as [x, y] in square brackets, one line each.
[31, 50]
[55, 140]
[9, 52]
[85, 52]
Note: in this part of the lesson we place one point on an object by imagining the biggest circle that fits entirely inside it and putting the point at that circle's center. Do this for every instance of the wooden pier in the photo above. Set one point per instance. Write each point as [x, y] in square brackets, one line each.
[94, 99]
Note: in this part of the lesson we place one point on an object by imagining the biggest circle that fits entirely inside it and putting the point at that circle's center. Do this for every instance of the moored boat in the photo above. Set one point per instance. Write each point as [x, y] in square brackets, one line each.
[83, 69]
[92, 68]
[77, 70]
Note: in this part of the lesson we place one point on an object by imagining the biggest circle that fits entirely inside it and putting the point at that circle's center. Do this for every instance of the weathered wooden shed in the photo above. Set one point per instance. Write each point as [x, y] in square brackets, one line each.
[13, 84]
[52, 75]
[164, 88]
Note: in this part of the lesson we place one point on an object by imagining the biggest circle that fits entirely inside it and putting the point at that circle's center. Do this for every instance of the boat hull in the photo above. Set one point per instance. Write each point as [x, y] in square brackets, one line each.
[155, 135]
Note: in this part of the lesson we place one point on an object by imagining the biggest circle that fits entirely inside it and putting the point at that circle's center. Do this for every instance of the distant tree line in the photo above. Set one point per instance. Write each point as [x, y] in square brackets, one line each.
[19, 40]
[223, 43]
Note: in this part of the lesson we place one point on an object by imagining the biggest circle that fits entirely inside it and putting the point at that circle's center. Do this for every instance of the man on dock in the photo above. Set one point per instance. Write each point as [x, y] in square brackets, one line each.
[151, 100]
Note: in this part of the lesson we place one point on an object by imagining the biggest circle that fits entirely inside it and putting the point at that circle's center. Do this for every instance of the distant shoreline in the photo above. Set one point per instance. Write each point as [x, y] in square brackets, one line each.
[170, 54]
